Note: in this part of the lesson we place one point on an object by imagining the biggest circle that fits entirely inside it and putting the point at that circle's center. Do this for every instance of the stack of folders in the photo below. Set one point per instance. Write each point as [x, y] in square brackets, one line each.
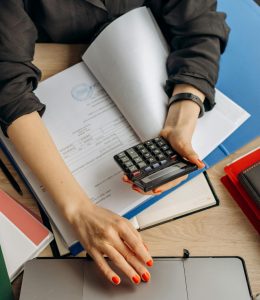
[22, 236]
[111, 101]
[242, 180]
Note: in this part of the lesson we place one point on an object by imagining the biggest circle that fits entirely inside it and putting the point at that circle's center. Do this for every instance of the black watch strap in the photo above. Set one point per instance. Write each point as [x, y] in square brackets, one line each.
[190, 97]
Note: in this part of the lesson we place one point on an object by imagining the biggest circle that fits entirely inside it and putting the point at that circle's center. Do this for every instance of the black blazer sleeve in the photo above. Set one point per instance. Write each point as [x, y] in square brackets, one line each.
[18, 76]
[197, 35]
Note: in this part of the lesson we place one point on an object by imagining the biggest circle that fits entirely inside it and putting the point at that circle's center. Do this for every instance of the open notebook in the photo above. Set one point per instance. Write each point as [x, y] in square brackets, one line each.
[109, 102]
[197, 194]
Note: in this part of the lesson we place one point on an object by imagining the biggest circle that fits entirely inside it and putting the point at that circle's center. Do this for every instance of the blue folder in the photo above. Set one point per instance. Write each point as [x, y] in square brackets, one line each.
[239, 79]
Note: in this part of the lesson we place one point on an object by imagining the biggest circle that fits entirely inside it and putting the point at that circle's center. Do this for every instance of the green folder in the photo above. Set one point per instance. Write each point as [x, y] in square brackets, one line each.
[6, 292]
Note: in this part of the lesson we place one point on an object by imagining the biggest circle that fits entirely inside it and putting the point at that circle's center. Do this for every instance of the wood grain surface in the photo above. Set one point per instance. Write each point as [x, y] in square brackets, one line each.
[222, 230]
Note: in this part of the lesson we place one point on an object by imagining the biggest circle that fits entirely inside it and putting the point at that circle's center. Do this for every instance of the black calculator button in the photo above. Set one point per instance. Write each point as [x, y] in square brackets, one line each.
[124, 159]
[147, 155]
[160, 156]
[141, 165]
[152, 147]
[128, 164]
[169, 152]
[157, 151]
[151, 160]
[122, 154]
[148, 143]
[165, 147]
[143, 151]
[161, 143]
[132, 169]
[131, 152]
[138, 159]
[156, 165]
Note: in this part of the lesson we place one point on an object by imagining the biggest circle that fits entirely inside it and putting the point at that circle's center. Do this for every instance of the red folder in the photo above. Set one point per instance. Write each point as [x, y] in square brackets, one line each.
[241, 202]
[237, 191]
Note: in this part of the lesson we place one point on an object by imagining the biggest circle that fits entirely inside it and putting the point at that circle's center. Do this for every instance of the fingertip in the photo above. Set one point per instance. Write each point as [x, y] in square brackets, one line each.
[135, 188]
[116, 280]
[136, 279]
[125, 179]
[201, 164]
[149, 263]
[155, 193]
[146, 276]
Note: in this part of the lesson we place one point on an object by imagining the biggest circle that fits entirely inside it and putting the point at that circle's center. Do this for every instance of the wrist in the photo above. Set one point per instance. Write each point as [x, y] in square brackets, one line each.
[183, 113]
[72, 206]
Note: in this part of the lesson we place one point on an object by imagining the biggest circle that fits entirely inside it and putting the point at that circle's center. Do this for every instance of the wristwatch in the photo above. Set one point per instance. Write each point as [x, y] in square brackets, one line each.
[190, 97]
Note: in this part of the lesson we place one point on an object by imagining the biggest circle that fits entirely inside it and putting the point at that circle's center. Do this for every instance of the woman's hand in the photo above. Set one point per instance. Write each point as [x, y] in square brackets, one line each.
[102, 232]
[178, 130]
[99, 230]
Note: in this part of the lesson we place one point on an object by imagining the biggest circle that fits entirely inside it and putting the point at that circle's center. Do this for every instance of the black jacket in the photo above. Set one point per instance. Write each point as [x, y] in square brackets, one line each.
[196, 33]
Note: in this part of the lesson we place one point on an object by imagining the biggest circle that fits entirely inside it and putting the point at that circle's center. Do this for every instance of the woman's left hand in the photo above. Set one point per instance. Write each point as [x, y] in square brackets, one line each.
[178, 130]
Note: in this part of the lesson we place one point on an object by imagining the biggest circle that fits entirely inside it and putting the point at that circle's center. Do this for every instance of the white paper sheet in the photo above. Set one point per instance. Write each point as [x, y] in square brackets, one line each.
[128, 59]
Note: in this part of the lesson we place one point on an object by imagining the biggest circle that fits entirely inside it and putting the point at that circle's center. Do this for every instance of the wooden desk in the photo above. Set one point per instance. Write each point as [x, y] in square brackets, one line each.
[222, 230]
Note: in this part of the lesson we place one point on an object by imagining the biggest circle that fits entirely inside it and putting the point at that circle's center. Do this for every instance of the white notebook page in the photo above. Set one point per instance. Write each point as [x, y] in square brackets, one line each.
[196, 194]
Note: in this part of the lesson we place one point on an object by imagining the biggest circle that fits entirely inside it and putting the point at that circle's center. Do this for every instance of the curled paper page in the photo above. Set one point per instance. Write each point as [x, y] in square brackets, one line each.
[128, 58]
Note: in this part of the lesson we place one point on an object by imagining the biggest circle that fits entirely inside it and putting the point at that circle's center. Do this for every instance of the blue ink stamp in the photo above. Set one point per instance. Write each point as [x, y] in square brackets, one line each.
[83, 91]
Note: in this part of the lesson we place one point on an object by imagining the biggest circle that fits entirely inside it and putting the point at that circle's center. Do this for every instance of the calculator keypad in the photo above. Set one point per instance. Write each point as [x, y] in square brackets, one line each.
[147, 157]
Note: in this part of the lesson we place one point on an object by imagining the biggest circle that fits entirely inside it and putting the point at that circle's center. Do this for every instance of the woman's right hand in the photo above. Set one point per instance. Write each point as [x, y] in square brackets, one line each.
[102, 232]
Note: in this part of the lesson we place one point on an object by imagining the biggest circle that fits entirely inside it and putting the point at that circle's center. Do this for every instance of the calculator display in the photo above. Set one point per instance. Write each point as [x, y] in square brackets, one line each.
[153, 163]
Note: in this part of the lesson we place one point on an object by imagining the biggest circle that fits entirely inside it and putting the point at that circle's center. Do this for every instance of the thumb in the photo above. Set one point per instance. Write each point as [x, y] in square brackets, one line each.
[186, 151]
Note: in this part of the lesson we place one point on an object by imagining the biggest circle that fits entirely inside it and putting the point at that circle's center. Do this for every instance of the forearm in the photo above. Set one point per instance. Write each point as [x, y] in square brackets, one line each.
[33, 142]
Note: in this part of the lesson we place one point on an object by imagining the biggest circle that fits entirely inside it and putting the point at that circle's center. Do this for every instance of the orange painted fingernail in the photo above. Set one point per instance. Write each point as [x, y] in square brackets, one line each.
[201, 162]
[157, 191]
[116, 280]
[125, 178]
[149, 263]
[136, 279]
[146, 276]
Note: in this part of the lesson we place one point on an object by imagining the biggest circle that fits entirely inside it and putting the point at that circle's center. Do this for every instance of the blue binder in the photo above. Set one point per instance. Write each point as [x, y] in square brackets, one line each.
[239, 79]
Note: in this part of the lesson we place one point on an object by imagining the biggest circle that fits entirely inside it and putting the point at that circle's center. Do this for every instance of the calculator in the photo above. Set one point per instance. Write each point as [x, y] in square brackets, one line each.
[153, 163]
